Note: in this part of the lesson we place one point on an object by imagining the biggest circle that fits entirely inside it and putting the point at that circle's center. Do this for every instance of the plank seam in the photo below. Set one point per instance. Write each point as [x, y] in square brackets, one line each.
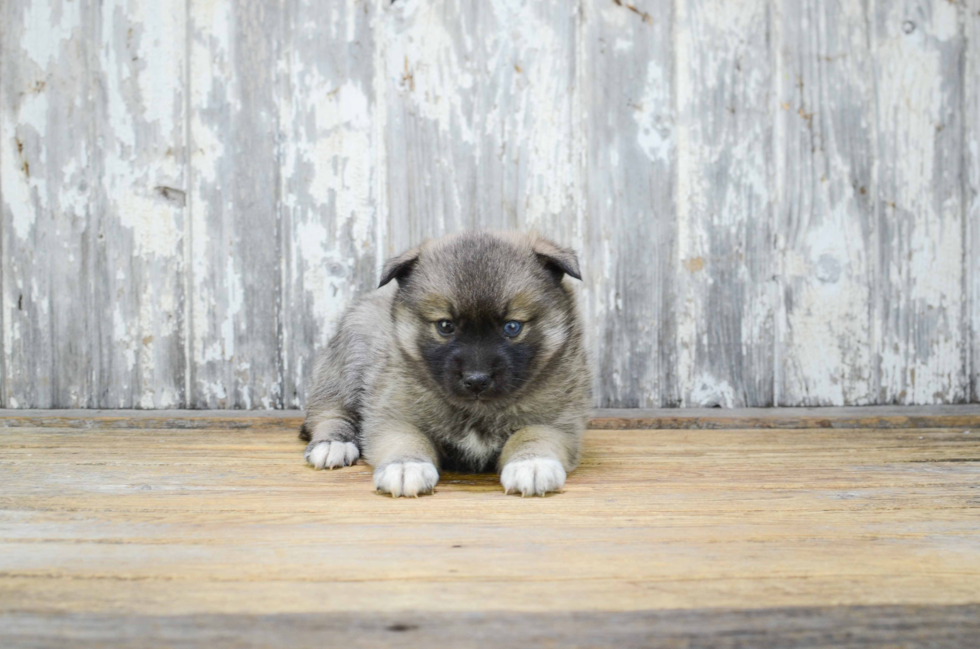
[965, 275]
[875, 307]
[281, 51]
[189, 214]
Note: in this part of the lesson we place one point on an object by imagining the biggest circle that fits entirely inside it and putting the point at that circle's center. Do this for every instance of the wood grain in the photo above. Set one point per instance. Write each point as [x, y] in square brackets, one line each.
[725, 294]
[919, 314]
[234, 245]
[191, 192]
[124, 526]
[828, 627]
[480, 101]
[630, 259]
[329, 199]
[825, 231]
[50, 190]
[94, 176]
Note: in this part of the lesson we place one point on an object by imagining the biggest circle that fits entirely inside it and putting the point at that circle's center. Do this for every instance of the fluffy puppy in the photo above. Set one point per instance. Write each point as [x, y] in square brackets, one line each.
[469, 357]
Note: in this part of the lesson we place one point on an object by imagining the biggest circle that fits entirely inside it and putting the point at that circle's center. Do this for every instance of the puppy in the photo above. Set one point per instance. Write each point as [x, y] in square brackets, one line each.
[469, 357]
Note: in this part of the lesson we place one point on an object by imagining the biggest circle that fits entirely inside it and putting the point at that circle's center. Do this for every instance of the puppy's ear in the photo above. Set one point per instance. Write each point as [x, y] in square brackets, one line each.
[560, 261]
[399, 267]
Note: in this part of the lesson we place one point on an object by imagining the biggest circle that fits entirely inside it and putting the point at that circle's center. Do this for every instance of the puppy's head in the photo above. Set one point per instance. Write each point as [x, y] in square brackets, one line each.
[483, 312]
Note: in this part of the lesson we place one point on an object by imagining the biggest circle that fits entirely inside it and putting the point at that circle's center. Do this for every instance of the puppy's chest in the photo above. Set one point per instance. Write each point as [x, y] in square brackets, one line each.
[472, 446]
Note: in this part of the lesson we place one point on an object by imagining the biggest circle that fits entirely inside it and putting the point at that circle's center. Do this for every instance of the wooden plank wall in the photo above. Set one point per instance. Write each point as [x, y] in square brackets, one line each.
[777, 202]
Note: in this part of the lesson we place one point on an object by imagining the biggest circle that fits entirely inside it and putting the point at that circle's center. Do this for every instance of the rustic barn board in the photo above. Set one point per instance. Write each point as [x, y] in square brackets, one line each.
[814, 627]
[141, 217]
[93, 173]
[329, 206]
[919, 309]
[139, 526]
[971, 195]
[630, 261]
[825, 228]
[191, 192]
[726, 296]
[49, 170]
[234, 245]
[479, 124]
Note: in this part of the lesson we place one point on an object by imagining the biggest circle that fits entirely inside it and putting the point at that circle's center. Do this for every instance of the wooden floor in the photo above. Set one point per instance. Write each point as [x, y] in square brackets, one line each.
[200, 530]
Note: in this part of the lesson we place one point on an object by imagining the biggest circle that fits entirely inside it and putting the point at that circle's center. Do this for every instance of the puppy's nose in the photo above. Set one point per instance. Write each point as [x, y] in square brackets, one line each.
[476, 382]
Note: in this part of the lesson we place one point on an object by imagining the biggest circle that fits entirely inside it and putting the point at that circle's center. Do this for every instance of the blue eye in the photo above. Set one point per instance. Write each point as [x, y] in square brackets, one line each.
[512, 328]
[445, 327]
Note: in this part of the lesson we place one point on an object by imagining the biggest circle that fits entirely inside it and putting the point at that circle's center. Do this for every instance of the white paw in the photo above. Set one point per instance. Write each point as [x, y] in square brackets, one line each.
[330, 455]
[409, 478]
[535, 476]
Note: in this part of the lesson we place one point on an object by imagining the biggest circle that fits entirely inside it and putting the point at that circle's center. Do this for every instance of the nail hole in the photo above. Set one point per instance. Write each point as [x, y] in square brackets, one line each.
[400, 627]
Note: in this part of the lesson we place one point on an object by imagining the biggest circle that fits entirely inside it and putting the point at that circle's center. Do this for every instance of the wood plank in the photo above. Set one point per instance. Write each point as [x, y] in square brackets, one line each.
[629, 252]
[142, 211]
[825, 218]
[93, 204]
[235, 239]
[479, 125]
[726, 297]
[49, 169]
[331, 160]
[962, 416]
[831, 627]
[107, 524]
[919, 310]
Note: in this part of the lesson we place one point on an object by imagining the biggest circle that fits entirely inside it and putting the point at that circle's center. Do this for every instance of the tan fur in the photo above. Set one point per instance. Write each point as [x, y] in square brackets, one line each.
[372, 386]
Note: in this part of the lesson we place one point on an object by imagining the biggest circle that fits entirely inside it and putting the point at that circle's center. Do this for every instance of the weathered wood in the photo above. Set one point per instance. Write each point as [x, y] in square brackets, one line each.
[919, 308]
[772, 530]
[825, 627]
[825, 229]
[479, 126]
[93, 172]
[971, 190]
[726, 296]
[329, 206]
[630, 259]
[141, 216]
[191, 192]
[961, 416]
[235, 237]
[49, 170]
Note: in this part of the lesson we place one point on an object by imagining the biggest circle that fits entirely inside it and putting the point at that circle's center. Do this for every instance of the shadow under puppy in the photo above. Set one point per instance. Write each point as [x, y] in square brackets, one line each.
[471, 360]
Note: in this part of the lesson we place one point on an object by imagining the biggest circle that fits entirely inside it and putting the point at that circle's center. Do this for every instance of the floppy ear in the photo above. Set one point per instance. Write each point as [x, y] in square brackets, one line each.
[560, 261]
[399, 267]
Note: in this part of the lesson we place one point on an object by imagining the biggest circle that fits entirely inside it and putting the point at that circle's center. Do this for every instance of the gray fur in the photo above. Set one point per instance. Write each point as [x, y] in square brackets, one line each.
[375, 387]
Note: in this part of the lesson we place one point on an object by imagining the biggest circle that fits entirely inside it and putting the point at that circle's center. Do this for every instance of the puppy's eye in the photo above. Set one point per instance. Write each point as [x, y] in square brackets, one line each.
[512, 328]
[445, 327]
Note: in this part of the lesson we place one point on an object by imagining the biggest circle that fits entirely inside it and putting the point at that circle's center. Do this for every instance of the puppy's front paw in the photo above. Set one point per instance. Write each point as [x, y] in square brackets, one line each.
[330, 455]
[408, 478]
[535, 476]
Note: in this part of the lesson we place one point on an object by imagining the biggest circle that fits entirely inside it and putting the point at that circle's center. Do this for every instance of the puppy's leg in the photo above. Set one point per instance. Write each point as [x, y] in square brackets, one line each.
[333, 440]
[535, 460]
[404, 460]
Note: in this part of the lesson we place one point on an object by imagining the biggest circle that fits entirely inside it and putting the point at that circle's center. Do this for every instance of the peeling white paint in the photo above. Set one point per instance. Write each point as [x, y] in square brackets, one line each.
[920, 353]
[57, 24]
[656, 133]
[21, 133]
[791, 265]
